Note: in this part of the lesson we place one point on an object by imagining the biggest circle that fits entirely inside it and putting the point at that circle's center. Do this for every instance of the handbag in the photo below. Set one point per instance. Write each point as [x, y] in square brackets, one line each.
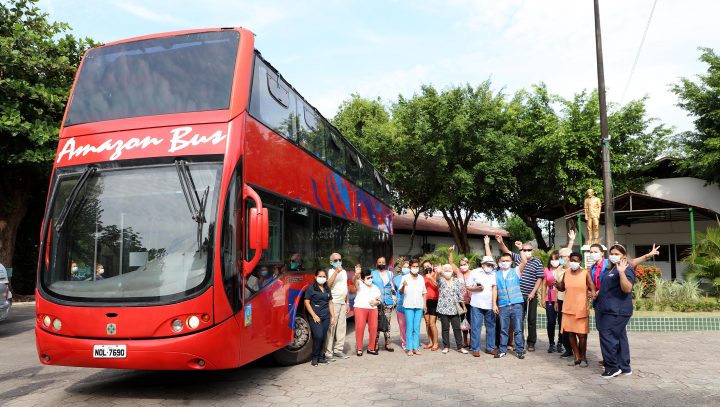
[464, 325]
[383, 322]
[460, 308]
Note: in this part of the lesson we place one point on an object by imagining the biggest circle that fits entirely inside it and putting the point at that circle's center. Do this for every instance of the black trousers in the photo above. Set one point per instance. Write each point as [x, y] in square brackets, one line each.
[318, 336]
[531, 314]
[564, 338]
[446, 321]
[552, 318]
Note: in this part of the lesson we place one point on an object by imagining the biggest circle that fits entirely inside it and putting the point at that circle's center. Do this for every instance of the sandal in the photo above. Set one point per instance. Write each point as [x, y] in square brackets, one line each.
[434, 348]
[372, 352]
[389, 348]
[417, 352]
[425, 346]
[359, 353]
[410, 353]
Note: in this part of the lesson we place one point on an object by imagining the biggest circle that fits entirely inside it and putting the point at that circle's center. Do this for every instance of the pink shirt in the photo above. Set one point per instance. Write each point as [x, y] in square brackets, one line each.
[550, 280]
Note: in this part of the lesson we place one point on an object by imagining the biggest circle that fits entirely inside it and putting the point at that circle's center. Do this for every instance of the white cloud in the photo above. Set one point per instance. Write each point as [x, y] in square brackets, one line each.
[147, 14]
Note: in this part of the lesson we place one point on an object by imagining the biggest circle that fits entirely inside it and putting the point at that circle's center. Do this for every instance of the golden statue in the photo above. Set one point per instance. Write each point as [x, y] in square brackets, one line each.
[593, 206]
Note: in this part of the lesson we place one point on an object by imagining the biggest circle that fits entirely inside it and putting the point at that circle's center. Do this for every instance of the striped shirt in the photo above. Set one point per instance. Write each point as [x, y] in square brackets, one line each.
[533, 271]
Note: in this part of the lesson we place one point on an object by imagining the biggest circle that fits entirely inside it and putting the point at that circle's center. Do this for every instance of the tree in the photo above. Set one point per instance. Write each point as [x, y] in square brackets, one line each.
[38, 60]
[517, 229]
[705, 259]
[702, 101]
[559, 158]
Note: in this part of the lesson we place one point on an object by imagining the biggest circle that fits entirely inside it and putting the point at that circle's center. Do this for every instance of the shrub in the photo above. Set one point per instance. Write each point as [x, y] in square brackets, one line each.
[638, 292]
[705, 259]
[646, 276]
[649, 305]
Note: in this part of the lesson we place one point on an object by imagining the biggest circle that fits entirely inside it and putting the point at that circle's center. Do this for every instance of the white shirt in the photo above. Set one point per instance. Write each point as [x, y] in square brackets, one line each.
[339, 289]
[365, 294]
[482, 299]
[413, 291]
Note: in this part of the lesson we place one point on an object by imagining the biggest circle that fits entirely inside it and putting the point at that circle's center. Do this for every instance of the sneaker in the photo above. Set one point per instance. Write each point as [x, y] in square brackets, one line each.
[568, 353]
[583, 363]
[500, 355]
[446, 350]
[521, 355]
[328, 356]
[628, 373]
[551, 348]
[531, 348]
[559, 348]
[314, 362]
[464, 351]
[609, 375]
[340, 355]
[323, 361]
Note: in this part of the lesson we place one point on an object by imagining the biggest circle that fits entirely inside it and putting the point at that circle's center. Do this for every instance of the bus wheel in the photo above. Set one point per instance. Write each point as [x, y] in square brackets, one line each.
[300, 349]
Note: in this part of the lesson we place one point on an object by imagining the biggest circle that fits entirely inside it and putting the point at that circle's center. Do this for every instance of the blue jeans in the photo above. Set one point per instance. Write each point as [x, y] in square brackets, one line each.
[413, 319]
[476, 323]
[512, 314]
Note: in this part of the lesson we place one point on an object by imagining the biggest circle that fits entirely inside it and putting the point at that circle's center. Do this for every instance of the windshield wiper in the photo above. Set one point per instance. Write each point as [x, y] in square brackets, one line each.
[89, 171]
[196, 203]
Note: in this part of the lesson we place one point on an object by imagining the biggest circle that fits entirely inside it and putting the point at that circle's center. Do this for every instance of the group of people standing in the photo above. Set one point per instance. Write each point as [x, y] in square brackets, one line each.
[498, 296]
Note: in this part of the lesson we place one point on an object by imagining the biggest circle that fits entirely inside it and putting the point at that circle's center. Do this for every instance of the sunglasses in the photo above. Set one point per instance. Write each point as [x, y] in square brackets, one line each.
[526, 250]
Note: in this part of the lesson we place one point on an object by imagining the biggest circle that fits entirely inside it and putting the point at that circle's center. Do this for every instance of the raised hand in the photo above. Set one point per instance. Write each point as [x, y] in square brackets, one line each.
[499, 238]
[487, 239]
[451, 248]
[571, 234]
[654, 252]
[518, 244]
[622, 266]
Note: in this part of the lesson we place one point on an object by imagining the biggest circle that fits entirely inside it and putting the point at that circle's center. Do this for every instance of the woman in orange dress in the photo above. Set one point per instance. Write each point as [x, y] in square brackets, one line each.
[576, 316]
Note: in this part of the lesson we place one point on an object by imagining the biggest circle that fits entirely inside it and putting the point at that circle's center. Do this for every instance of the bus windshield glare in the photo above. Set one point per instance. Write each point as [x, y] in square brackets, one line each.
[129, 236]
[184, 73]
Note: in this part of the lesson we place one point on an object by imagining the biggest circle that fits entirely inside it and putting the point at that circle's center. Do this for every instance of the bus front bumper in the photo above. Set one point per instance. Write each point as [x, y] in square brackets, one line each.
[213, 348]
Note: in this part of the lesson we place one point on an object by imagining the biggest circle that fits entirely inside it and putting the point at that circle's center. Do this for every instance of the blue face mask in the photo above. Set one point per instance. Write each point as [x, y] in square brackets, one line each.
[337, 264]
[294, 265]
[405, 270]
[264, 273]
[562, 261]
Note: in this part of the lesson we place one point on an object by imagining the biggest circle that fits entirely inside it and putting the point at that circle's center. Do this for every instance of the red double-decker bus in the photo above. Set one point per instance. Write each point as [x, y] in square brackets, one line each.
[193, 196]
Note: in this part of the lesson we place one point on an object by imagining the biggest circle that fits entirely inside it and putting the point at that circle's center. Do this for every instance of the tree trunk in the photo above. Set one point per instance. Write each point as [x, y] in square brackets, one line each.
[458, 227]
[416, 214]
[532, 224]
[11, 214]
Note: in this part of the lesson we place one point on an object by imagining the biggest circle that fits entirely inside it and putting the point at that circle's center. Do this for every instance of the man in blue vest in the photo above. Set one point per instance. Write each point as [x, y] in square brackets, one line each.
[510, 302]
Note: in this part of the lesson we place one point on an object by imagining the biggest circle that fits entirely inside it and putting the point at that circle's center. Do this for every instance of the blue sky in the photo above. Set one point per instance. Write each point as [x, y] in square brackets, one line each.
[330, 49]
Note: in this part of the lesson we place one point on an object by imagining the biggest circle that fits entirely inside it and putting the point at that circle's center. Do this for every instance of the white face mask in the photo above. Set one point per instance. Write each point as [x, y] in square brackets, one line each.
[368, 282]
[505, 265]
[554, 263]
[595, 256]
[447, 274]
[574, 265]
[321, 280]
[527, 254]
[414, 270]
[464, 268]
[488, 269]
[74, 269]
[615, 258]
[100, 271]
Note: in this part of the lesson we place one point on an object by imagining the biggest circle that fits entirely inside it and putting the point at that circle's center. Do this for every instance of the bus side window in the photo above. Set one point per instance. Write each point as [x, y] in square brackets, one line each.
[272, 102]
[311, 130]
[335, 151]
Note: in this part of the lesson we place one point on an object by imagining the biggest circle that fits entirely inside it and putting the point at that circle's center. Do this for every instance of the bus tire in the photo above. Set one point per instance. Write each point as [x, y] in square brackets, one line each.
[300, 350]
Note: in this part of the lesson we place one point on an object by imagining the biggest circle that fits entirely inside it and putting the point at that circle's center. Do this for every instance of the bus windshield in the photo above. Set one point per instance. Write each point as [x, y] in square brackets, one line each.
[128, 235]
[184, 73]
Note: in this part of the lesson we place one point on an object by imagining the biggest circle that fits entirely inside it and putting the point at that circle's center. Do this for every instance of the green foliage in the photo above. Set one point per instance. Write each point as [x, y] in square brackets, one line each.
[702, 100]
[441, 255]
[638, 292]
[705, 258]
[673, 291]
[517, 229]
[702, 305]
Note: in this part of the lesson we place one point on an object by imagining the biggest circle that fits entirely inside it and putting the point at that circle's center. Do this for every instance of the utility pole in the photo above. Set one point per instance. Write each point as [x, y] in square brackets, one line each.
[607, 178]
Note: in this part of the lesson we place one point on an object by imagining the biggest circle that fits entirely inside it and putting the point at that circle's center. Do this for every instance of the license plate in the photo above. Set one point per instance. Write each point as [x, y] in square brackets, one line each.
[109, 351]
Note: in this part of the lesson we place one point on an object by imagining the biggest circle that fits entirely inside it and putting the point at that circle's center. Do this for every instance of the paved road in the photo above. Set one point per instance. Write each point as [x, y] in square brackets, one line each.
[670, 369]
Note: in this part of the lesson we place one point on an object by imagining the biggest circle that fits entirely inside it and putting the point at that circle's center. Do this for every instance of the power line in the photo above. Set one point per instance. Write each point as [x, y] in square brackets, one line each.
[637, 55]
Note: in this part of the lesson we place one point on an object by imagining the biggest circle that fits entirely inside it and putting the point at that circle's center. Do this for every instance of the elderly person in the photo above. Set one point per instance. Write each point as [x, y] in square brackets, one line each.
[412, 288]
[450, 307]
[337, 281]
[463, 274]
[383, 279]
[482, 285]
[400, 311]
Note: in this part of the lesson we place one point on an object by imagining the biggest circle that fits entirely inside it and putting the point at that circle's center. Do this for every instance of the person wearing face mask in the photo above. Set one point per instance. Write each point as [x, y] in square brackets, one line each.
[337, 281]
[482, 285]
[510, 303]
[576, 315]
[564, 340]
[99, 271]
[614, 304]
[463, 273]
[317, 303]
[382, 278]
[367, 299]
[295, 264]
[449, 300]
[530, 281]
[431, 274]
[400, 311]
[549, 294]
[413, 290]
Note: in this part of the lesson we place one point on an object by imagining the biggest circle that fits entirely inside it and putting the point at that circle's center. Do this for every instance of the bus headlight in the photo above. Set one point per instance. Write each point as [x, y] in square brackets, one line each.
[177, 325]
[193, 322]
[46, 321]
[57, 324]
